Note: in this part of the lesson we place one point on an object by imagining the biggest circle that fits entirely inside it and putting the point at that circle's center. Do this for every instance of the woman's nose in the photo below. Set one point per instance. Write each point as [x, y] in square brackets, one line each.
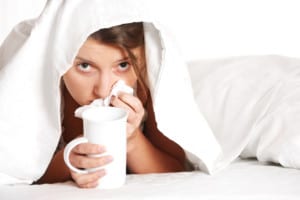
[103, 86]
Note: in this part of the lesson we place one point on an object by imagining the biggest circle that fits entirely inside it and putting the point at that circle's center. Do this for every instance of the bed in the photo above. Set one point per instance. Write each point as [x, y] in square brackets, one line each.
[243, 179]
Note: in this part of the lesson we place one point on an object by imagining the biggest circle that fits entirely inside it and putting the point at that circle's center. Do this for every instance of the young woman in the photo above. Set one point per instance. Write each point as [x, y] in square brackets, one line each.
[73, 53]
[107, 56]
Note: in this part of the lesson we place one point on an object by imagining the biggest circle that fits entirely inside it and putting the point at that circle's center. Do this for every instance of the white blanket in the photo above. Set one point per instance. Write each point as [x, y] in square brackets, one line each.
[37, 53]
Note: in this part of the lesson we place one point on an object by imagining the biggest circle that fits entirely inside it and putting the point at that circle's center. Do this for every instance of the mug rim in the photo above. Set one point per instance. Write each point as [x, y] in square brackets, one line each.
[120, 113]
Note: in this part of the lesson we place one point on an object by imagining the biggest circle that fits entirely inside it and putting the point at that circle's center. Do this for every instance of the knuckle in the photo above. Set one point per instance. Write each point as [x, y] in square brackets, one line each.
[80, 162]
[77, 148]
[81, 185]
[74, 175]
[73, 159]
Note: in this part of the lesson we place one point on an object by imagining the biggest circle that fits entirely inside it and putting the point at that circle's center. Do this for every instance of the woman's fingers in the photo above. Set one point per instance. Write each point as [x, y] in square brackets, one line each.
[134, 107]
[89, 180]
[83, 156]
[131, 101]
[88, 149]
[83, 161]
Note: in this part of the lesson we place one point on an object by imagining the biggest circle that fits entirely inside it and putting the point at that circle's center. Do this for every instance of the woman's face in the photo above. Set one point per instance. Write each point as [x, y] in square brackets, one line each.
[96, 68]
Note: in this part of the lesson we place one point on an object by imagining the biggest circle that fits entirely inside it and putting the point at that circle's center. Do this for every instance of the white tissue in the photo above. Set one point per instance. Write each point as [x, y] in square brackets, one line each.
[119, 86]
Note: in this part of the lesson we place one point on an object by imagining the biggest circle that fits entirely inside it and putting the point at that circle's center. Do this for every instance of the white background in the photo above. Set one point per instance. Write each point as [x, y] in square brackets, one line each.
[207, 28]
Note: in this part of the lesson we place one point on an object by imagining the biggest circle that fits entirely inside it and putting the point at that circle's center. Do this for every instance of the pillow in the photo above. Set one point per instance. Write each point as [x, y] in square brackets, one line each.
[252, 104]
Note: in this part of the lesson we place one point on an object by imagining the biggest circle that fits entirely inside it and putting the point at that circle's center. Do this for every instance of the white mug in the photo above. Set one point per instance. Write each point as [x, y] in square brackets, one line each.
[105, 126]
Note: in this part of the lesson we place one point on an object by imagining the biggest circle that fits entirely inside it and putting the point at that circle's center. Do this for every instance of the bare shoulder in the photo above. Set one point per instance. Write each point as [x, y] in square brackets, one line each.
[157, 138]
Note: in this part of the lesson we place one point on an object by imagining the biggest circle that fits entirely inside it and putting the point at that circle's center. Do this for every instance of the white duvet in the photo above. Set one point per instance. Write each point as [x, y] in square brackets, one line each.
[248, 106]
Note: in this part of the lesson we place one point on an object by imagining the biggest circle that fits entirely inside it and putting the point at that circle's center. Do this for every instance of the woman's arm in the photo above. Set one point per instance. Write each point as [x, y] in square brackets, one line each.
[145, 157]
[152, 151]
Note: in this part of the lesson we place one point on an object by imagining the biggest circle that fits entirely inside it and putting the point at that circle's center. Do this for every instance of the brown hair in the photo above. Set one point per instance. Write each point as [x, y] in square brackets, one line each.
[126, 37]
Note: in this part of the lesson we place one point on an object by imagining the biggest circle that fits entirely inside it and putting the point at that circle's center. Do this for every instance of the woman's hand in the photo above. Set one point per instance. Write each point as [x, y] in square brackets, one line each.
[135, 110]
[79, 159]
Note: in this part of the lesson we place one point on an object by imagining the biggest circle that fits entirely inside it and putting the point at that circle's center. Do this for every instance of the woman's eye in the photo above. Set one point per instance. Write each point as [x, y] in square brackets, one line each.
[124, 66]
[85, 67]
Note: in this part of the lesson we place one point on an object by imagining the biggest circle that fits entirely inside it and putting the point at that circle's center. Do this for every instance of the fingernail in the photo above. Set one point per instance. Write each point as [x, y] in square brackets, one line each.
[101, 173]
[101, 148]
[109, 159]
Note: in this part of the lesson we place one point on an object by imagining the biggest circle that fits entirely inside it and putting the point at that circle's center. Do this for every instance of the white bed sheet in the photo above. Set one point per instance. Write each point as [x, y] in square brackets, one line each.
[243, 179]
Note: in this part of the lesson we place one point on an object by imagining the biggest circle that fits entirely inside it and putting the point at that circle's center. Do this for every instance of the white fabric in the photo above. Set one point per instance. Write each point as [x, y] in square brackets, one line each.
[37, 53]
[242, 180]
[252, 104]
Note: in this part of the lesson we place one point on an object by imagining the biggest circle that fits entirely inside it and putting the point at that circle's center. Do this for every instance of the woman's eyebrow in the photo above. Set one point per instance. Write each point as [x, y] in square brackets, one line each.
[122, 59]
[85, 60]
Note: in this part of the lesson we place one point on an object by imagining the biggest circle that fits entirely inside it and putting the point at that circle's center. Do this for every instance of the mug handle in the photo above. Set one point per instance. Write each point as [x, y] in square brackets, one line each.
[68, 150]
